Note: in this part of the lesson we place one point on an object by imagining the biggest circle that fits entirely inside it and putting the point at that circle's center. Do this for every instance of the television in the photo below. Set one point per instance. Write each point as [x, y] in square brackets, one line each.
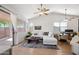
[69, 30]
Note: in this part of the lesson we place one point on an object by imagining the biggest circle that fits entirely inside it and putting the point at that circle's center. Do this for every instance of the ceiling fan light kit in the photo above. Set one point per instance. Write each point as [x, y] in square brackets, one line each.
[68, 18]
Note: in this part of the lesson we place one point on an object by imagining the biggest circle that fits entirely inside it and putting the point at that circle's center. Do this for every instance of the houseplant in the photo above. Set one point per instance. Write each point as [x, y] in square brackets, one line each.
[28, 35]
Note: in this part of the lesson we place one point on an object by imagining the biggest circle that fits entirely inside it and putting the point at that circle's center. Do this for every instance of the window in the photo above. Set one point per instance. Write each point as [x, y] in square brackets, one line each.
[63, 26]
[20, 25]
[60, 26]
[56, 27]
[4, 30]
[56, 24]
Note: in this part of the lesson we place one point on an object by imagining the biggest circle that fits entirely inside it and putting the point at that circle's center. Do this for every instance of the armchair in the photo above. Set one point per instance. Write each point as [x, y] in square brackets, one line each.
[75, 45]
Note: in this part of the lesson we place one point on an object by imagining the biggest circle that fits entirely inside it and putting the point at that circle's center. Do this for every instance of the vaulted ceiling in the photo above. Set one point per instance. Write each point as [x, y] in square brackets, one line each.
[27, 10]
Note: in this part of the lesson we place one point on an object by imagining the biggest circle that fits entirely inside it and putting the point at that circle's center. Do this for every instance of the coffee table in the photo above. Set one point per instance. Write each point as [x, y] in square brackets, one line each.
[33, 39]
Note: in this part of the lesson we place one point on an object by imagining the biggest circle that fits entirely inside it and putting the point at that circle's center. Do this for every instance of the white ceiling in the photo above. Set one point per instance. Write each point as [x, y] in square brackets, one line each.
[28, 10]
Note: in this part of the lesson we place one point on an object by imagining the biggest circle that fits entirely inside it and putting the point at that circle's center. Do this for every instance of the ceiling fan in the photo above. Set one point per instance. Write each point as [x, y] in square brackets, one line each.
[42, 10]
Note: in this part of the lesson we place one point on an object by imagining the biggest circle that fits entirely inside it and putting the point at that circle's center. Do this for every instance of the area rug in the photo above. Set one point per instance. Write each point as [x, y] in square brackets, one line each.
[39, 45]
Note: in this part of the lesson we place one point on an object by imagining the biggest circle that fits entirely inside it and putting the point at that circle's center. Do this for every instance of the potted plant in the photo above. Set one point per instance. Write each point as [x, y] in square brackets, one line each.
[28, 34]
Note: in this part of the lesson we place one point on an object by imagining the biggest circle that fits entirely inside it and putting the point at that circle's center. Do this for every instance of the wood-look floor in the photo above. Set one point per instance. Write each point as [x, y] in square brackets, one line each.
[64, 49]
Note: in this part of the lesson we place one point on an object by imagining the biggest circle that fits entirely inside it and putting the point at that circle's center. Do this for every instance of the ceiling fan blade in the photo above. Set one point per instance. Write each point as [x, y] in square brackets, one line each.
[38, 8]
[46, 13]
[47, 9]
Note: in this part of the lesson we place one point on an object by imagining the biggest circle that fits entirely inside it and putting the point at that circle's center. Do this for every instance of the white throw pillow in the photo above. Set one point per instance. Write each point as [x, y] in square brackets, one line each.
[50, 34]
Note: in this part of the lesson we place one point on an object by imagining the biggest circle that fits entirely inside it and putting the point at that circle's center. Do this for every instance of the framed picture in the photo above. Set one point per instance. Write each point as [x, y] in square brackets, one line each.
[37, 27]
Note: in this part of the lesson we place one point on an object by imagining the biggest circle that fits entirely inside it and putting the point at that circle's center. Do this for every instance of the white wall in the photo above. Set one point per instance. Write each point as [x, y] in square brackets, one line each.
[47, 22]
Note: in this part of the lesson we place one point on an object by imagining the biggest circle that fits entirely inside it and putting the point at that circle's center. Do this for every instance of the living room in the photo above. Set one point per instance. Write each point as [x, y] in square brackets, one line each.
[40, 29]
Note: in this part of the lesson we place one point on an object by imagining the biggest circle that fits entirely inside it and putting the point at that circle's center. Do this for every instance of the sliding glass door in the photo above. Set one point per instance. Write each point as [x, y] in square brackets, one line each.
[5, 24]
[4, 30]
